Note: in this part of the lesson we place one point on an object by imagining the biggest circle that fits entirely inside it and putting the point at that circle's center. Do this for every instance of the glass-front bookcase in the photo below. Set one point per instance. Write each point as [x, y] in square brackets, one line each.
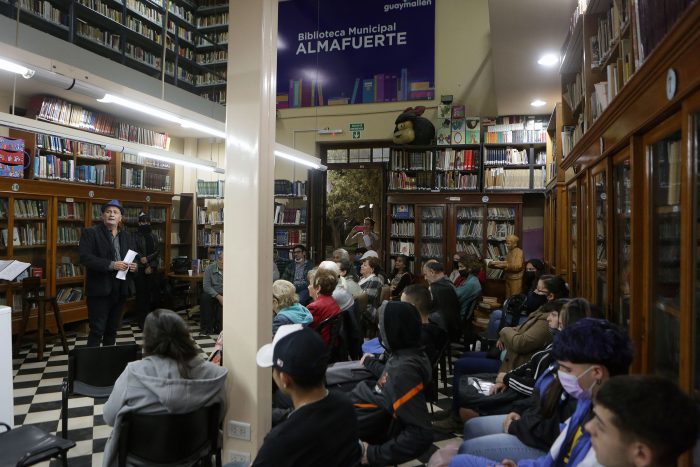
[663, 150]
[622, 226]
[599, 264]
[573, 237]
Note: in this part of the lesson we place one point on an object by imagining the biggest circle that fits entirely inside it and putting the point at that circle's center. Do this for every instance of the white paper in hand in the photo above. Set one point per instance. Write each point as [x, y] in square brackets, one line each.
[128, 258]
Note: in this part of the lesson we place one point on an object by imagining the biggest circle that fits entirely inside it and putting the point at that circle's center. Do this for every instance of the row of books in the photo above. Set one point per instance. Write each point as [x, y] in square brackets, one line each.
[506, 156]
[44, 9]
[100, 174]
[30, 234]
[504, 214]
[610, 26]
[513, 179]
[289, 216]
[73, 148]
[289, 237]
[210, 188]
[54, 168]
[199, 265]
[572, 134]
[470, 213]
[403, 228]
[499, 231]
[496, 250]
[411, 160]
[573, 95]
[397, 247]
[402, 211]
[71, 210]
[210, 238]
[210, 216]
[140, 160]
[470, 247]
[104, 37]
[456, 181]
[157, 214]
[458, 159]
[421, 181]
[69, 295]
[431, 250]
[29, 208]
[68, 234]
[431, 229]
[516, 136]
[68, 269]
[290, 188]
[471, 229]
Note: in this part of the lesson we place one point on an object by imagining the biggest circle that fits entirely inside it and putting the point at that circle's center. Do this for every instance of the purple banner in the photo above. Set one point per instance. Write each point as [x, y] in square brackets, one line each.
[332, 52]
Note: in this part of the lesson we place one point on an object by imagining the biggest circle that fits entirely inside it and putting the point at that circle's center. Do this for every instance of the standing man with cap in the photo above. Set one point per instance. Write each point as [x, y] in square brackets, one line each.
[147, 248]
[322, 429]
[102, 249]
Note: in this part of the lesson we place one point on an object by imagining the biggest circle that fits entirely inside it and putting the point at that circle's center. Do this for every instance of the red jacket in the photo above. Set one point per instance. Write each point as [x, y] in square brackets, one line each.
[321, 309]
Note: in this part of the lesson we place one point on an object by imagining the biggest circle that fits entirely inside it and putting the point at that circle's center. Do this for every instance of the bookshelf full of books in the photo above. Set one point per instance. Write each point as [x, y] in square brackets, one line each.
[290, 219]
[432, 226]
[435, 168]
[192, 41]
[209, 218]
[599, 191]
[515, 153]
[71, 217]
[181, 226]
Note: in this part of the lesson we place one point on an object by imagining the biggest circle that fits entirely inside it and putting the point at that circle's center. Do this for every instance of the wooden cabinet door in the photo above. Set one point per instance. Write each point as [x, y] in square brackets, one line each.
[599, 241]
[621, 261]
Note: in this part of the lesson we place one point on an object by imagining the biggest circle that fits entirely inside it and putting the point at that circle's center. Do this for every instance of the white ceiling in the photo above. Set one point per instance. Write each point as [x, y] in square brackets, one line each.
[521, 31]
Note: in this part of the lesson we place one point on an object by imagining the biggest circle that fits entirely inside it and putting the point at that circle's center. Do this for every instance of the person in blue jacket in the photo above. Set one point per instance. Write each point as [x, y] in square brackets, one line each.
[589, 353]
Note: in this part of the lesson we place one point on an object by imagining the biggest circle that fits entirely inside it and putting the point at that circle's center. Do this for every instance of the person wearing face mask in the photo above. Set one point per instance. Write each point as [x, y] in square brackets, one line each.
[588, 354]
[147, 248]
[469, 287]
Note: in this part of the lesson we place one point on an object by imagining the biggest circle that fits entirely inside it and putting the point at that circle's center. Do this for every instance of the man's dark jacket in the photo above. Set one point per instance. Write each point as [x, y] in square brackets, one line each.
[97, 254]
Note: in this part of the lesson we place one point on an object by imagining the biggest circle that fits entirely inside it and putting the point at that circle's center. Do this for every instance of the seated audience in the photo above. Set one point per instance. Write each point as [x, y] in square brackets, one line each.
[392, 414]
[348, 278]
[400, 277]
[212, 299]
[469, 289]
[372, 286]
[171, 378]
[432, 336]
[322, 428]
[296, 273]
[588, 353]
[321, 286]
[342, 254]
[286, 306]
[642, 421]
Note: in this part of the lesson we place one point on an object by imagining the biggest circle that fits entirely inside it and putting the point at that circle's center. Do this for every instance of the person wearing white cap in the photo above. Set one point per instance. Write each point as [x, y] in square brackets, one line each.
[322, 428]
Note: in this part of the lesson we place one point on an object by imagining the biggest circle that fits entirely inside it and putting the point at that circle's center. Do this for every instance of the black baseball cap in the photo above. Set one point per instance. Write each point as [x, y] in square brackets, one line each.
[297, 351]
[143, 217]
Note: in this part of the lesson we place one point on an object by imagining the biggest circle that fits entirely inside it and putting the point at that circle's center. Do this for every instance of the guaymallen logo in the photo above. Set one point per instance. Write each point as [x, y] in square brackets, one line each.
[406, 4]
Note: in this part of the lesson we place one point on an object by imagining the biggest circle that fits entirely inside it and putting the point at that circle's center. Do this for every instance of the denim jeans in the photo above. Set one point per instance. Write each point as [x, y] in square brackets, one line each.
[495, 321]
[482, 426]
[493, 446]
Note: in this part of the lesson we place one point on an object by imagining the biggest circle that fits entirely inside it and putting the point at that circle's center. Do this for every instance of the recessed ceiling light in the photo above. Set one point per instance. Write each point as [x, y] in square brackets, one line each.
[537, 103]
[548, 59]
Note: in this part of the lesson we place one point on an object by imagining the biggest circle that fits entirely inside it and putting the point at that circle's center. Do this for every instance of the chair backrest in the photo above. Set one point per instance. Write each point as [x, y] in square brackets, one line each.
[100, 366]
[169, 438]
[512, 308]
[333, 324]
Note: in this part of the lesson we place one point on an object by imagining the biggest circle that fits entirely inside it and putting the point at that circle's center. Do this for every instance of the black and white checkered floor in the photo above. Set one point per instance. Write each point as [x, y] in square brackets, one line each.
[37, 397]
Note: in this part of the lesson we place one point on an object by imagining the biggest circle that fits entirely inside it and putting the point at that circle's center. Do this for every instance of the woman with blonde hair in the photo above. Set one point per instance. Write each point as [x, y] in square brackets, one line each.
[286, 306]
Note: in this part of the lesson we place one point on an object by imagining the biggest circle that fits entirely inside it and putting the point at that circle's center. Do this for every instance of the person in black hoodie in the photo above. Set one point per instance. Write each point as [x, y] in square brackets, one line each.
[392, 414]
[147, 248]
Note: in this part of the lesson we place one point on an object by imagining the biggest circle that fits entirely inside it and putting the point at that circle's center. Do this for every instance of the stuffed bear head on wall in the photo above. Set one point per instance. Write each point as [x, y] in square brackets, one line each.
[411, 128]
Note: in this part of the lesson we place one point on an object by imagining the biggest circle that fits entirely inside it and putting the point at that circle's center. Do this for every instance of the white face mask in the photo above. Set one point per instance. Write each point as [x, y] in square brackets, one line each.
[571, 385]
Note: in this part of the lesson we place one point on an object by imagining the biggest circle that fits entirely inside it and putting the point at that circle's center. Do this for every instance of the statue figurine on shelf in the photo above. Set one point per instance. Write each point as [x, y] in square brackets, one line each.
[513, 266]
[412, 128]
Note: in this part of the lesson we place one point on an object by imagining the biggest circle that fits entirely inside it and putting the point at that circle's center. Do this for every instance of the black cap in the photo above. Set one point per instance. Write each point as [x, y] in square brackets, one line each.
[143, 217]
[301, 354]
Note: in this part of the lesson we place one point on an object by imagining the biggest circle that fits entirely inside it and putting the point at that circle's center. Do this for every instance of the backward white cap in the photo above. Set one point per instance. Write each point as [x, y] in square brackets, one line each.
[264, 356]
[369, 253]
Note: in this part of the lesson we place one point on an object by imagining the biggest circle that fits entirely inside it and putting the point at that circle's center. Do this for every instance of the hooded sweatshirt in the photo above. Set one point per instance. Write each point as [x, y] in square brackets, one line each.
[399, 395]
[154, 385]
[293, 314]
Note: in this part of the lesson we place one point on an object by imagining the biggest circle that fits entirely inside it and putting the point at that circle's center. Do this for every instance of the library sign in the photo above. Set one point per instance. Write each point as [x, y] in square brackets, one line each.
[361, 51]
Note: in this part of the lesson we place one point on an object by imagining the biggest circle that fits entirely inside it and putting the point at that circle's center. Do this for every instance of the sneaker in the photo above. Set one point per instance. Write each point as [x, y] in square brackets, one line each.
[451, 424]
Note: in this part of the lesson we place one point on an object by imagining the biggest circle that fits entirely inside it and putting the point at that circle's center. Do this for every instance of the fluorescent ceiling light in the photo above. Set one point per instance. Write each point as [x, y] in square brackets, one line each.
[112, 144]
[549, 59]
[294, 155]
[162, 114]
[204, 165]
[537, 103]
[23, 71]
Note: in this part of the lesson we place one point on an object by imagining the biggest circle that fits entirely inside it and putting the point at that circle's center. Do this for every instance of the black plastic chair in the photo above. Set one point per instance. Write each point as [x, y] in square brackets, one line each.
[333, 324]
[163, 439]
[92, 372]
[511, 312]
[29, 445]
[432, 393]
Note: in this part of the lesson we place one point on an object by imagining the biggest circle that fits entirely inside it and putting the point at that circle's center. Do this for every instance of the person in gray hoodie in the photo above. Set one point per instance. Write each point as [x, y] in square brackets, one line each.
[286, 306]
[171, 378]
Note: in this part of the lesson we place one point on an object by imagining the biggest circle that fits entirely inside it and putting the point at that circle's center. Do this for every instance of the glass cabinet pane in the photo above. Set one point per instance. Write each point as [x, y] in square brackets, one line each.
[70, 274]
[665, 256]
[403, 233]
[583, 221]
[29, 239]
[601, 254]
[695, 157]
[623, 247]
[573, 236]
[470, 230]
[500, 224]
[432, 233]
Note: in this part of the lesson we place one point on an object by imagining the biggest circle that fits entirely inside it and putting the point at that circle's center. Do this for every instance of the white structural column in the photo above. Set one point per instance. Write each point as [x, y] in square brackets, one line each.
[250, 129]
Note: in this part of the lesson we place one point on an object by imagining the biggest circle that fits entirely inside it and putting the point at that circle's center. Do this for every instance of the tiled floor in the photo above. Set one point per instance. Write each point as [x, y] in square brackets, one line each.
[37, 398]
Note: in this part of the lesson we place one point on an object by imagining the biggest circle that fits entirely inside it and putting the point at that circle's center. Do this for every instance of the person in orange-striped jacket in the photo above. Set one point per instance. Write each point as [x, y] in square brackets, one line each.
[392, 414]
